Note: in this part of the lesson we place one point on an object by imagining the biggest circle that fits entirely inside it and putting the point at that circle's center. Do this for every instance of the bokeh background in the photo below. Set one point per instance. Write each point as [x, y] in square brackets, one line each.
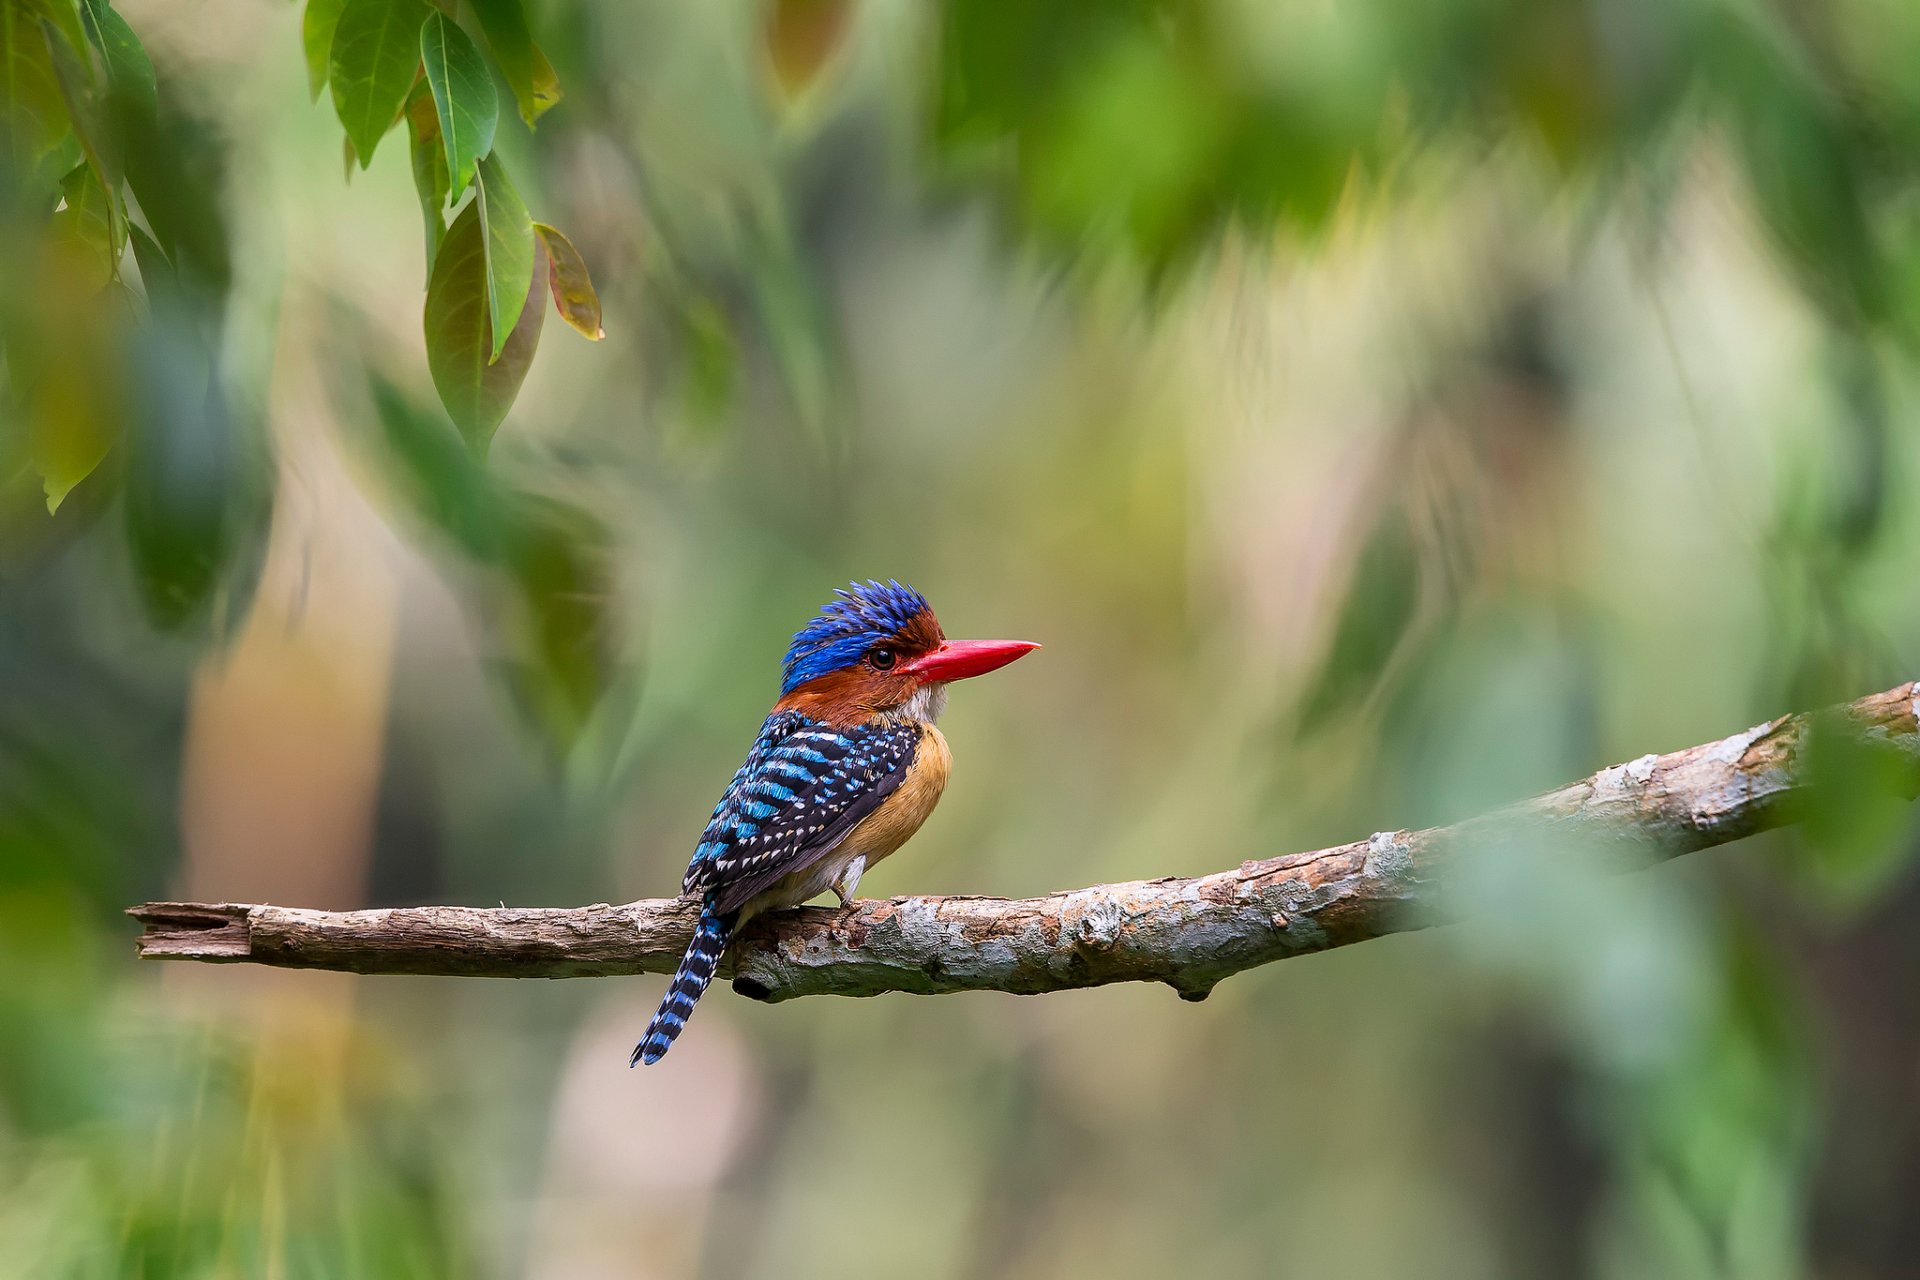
[1379, 410]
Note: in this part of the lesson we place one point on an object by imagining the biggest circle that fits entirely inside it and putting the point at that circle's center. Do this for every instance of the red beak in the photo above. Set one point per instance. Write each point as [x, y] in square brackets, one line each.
[958, 659]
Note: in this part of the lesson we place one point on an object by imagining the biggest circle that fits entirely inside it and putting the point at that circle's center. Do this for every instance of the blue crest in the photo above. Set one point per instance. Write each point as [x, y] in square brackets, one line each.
[859, 618]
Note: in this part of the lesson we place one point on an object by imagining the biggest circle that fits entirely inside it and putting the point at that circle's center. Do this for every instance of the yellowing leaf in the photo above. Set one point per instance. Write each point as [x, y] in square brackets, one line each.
[802, 37]
[572, 288]
[476, 388]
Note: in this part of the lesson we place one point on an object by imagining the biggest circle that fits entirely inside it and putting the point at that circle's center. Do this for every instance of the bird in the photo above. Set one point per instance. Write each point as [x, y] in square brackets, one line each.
[846, 767]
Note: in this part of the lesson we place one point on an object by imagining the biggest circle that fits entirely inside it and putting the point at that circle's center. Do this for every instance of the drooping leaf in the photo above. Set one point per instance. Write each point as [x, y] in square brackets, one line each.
[156, 272]
[317, 25]
[476, 388]
[64, 18]
[572, 288]
[463, 95]
[194, 494]
[66, 458]
[440, 479]
[529, 74]
[131, 93]
[33, 113]
[429, 167]
[86, 232]
[376, 50]
[791, 313]
[561, 619]
[801, 38]
[711, 362]
[1379, 618]
[510, 249]
[549, 603]
[129, 70]
[66, 348]
[1856, 832]
[85, 98]
[176, 165]
[75, 415]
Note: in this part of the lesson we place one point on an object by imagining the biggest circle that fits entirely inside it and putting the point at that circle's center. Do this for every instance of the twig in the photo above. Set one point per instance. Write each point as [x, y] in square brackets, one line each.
[1187, 933]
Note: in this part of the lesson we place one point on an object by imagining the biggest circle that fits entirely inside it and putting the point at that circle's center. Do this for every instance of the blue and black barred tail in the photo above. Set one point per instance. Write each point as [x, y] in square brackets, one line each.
[689, 980]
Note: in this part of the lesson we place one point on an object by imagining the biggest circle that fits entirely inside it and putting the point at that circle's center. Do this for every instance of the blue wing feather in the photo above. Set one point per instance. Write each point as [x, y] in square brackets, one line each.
[803, 787]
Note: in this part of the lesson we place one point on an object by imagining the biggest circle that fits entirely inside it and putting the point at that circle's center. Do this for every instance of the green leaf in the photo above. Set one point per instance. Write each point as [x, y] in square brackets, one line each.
[129, 70]
[68, 351]
[317, 26]
[429, 167]
[88, 233]
[187, 475]
[67, 455]
[33, 114]
[86, 111]
[132, 97]
[561, 658]
[376, 50]
[549, 608]
[65, 19]
[437, 475]
[572, 288]
[64, 460]
[792, 315]
[1377, 624]
[463, 95]
[1856, 832]
[156, 272]
[527, 70]
[76, 418]
[510, 249]
[176, 165]
[711, 363]
[476, 388]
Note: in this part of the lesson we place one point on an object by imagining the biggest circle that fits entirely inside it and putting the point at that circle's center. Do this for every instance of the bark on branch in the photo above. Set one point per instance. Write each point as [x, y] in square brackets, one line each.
[1187, 933]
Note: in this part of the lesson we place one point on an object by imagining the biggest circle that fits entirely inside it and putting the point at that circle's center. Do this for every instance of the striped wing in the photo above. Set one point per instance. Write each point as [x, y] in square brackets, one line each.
[804, 786]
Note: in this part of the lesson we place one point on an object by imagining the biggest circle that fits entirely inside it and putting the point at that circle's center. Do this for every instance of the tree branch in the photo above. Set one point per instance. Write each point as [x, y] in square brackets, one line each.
[1187, 933]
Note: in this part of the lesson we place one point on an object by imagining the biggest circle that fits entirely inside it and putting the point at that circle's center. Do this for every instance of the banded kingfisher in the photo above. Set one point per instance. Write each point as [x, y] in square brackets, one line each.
[843, 772]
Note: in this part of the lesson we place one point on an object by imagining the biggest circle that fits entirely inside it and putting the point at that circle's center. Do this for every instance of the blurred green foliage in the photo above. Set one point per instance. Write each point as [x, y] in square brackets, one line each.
[1379, 409]
[82, 92]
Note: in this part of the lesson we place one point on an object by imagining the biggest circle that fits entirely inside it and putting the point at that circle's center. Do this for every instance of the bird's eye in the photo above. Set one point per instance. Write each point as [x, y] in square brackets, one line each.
[882, 659]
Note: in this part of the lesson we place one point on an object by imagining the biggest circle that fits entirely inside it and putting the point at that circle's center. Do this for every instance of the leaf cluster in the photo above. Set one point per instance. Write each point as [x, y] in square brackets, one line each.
[392, 62]
[115, 271]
